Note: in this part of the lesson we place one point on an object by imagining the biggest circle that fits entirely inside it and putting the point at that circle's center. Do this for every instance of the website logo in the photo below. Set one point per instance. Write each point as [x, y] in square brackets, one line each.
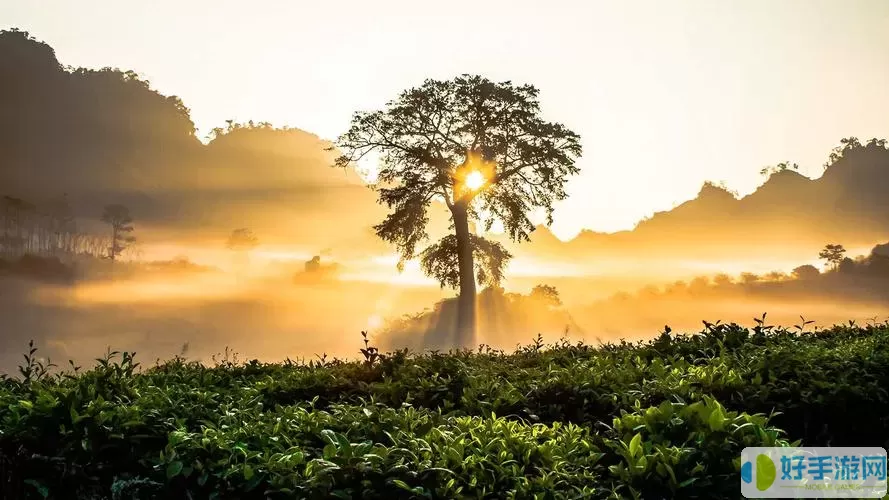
[813, 472]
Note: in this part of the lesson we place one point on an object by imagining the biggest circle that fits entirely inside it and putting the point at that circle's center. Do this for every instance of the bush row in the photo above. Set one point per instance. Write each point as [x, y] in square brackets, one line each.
[658, 419]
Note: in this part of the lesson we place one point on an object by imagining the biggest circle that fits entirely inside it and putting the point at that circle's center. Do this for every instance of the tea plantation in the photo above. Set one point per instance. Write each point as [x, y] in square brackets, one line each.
[662, 419]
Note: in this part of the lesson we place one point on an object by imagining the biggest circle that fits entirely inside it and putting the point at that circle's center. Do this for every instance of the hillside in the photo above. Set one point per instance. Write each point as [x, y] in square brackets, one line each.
[105, 136]
[846, 204]
[115, 139]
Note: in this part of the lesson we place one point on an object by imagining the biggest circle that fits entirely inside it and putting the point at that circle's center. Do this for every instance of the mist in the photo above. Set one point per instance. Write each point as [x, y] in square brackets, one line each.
[320, 274]
[277, 309]
[196, 313]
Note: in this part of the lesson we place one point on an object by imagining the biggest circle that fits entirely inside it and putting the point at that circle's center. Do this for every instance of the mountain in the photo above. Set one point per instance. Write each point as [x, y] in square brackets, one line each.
[847, 204]
[105, 136]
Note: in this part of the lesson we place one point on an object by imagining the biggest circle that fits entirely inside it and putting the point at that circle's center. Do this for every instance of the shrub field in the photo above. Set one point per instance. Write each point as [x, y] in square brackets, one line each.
[662, 419]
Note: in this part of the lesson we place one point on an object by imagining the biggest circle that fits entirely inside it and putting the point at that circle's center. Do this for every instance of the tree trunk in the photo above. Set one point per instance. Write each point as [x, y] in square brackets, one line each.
[113, 249]
[466, 300]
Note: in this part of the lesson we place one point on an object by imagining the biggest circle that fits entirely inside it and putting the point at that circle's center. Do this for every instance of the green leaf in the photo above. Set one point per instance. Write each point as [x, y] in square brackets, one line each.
[173, 469]
[253, 483]
[716, 419]
[424, 429]
[401, 484]
[41, 488]
[636, 445]
[343, 443]
[325, 464]
[248, 472]
[330, 436]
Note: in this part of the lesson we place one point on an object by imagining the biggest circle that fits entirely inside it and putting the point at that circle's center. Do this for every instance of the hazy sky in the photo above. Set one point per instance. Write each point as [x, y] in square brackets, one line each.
[665, 94]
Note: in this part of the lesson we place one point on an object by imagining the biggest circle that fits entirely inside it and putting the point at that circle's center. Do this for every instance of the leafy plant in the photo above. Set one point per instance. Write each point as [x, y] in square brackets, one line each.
[664, 418]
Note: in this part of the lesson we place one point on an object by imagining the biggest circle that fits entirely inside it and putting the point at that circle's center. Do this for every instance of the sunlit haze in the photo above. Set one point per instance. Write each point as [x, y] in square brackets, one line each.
[454, 249]
[245, 236]
[664, 94]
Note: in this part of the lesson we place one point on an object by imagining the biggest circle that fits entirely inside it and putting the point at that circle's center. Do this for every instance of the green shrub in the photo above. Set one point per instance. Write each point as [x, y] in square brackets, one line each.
[666, 418]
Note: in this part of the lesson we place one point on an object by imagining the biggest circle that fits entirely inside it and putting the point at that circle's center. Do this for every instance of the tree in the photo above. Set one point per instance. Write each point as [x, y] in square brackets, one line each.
[63, 224]
[781, 167]
[833, 254]
[748, 278]
[775, 276]
[806, 272]
[699, 285]
[241, 241]
[723, 280]
[314, 264]
[480, 148]
[118, 217]
[546, 294]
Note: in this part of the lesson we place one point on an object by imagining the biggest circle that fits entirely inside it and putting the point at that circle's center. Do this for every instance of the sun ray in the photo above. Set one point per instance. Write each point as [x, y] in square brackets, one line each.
[474, 180]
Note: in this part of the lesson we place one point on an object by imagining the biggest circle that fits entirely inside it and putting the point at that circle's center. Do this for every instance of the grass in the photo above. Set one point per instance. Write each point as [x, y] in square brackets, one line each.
[659, 419]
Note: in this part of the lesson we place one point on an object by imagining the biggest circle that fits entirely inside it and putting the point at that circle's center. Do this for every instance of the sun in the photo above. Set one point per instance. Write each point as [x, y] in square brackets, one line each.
[374, 321]
[474, 180]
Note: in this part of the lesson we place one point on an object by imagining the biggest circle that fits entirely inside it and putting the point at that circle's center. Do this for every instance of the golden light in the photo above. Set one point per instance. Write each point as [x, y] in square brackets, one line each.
[475, 180]
[375, 321]
[473, 175]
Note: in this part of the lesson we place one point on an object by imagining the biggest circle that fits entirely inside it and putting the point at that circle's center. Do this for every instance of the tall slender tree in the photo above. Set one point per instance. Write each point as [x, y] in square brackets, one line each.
[479, 147]
[118, 217]
[63, 225]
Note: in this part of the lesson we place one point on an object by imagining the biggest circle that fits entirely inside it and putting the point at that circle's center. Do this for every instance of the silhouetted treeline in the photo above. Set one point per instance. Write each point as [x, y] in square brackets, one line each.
[45, 230]
[98, 133]
[44, 241]
[106, 134]
[847, 203]
[867, 275]
[39, 230]
[82, 130]
[504, 316]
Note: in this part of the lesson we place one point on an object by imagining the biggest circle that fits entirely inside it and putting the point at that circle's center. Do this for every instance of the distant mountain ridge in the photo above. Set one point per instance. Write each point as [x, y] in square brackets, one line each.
[848, 204]
[105, 136]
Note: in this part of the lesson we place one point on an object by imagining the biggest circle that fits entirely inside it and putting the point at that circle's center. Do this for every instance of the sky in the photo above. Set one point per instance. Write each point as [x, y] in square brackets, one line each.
[665, 95]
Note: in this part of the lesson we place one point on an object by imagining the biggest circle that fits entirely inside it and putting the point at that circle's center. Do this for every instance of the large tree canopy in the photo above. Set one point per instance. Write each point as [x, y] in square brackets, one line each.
[478, 146]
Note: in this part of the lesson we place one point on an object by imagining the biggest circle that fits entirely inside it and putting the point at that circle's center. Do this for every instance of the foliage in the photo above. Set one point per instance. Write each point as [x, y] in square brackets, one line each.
[861, 278]
[242, 239]
[118, 217]
[781, 167]
[547, 294]
[647, 420]
[851, 145]
[479, 147]
[439, 261]
[431, 136]
[43, 230]
[806, 272]
[833, 254]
